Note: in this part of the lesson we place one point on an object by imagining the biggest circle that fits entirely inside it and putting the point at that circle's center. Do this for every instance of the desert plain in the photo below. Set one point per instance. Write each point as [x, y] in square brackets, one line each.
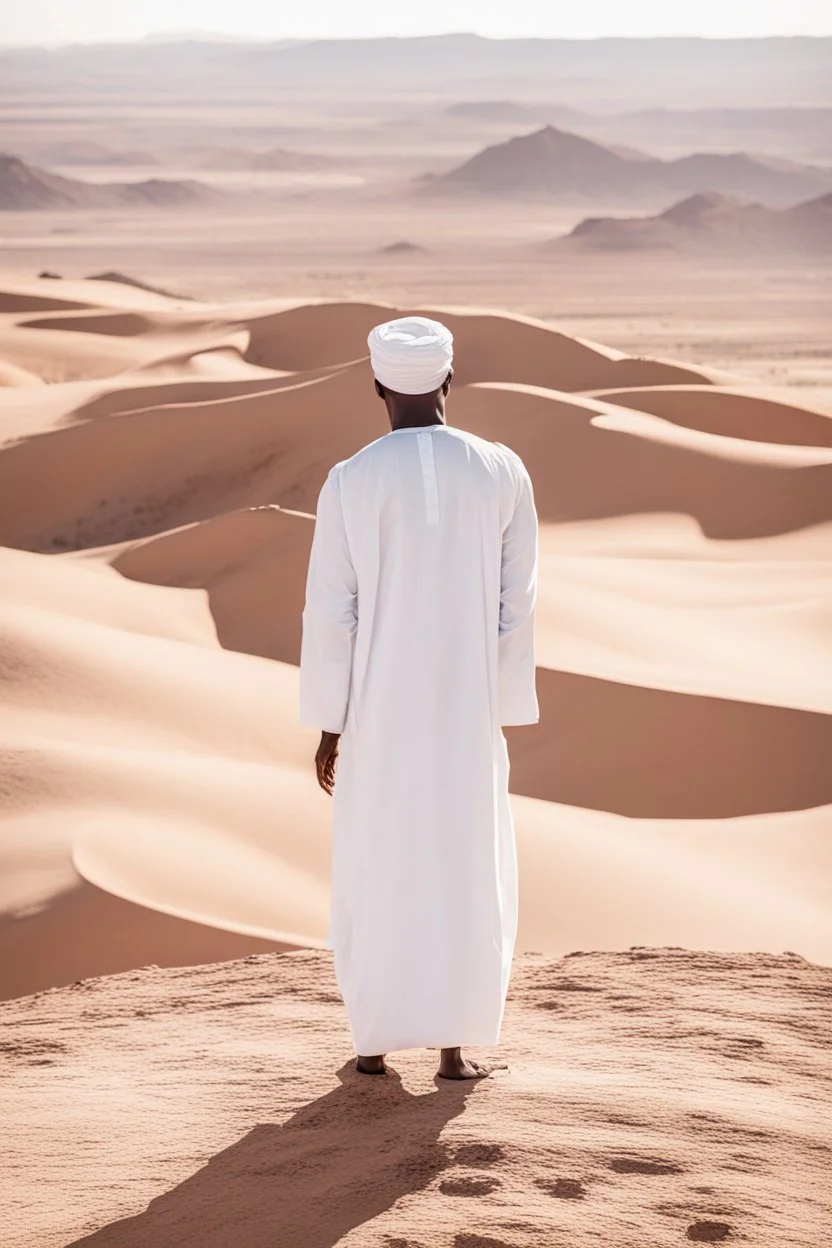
[178, 371]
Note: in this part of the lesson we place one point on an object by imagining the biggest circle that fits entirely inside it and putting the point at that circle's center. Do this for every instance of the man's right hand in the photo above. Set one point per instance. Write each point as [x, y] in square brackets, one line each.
[325, 761]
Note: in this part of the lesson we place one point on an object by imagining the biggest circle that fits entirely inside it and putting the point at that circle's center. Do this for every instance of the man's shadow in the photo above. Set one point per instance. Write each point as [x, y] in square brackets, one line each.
[335, 1164]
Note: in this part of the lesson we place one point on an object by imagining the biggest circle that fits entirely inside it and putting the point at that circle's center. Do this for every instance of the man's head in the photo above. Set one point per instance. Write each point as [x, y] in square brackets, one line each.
[412, 357]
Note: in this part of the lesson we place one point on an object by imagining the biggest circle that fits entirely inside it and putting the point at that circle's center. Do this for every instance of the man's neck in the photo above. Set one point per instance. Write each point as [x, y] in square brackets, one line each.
[411, 423]
[417, 412]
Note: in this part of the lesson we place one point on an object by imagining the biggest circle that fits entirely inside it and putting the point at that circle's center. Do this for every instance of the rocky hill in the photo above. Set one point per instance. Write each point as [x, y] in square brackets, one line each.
[557, 163]
[29, 188]
[711, 222]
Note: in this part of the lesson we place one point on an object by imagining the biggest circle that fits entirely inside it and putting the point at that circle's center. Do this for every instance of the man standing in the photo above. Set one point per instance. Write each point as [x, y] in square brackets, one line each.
[418, 648]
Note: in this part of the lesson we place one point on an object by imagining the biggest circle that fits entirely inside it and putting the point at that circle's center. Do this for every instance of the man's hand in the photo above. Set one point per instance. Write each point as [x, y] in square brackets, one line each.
[325, 761]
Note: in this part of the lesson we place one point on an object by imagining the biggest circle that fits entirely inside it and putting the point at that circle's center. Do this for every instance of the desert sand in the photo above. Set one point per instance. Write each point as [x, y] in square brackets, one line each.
[157, 514]
[654, 1097]
[160, 460]
[159, 805]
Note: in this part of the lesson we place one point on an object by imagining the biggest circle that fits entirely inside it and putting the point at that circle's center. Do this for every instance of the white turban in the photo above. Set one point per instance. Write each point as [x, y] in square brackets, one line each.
[412, 355]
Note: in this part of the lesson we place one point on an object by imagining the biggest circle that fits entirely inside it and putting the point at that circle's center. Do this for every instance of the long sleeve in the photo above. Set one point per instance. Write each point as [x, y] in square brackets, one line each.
[518, 593]
[329, 618]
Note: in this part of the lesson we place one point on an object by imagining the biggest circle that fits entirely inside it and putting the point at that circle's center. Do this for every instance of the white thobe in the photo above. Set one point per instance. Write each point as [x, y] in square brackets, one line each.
[418, 646]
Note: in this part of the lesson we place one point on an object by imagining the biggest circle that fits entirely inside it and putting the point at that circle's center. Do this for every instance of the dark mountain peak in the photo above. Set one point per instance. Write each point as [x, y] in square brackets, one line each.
[546, 160]
[552, 139]
[555, 162]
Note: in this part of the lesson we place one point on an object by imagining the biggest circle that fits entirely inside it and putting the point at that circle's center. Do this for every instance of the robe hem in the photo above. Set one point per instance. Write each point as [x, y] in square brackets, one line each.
[490, 1041]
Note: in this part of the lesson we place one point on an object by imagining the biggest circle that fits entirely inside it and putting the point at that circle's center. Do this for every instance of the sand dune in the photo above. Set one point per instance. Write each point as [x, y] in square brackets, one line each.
[490, 347]
[757, 758]
[676, 791]
[173, 463]
[604, 461]
[125, 280]
[173, 460]
[61, 296]
[252, 564]
[657, 575]
[687, 1104]
[116, 720]
[729, 413]
[135, 749]
[14, 375]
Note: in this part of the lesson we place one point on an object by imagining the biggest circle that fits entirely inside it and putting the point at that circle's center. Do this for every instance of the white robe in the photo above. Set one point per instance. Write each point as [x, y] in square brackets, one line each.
[418, 646]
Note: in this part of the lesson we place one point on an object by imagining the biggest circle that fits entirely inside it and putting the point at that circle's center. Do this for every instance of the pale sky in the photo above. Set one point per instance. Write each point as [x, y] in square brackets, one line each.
[84, 21]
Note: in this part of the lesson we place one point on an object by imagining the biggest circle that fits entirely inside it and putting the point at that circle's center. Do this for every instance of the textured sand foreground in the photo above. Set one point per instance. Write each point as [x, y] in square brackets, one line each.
[654, 1098]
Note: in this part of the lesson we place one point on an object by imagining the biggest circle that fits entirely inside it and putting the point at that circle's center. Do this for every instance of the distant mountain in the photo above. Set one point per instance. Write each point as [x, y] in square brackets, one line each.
[163, 194]
[509, 112]
[710, 222]
[493, 110]
[607, 74]
[738, 173]
[549, 160]
[278, 159]
[89, 152]
[25, 187]
[403, 247]
[28, 188]
[194, 36]
[801, 132]
[554, 162]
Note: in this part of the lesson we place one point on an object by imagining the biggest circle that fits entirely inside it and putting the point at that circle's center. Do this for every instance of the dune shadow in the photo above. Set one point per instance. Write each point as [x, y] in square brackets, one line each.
[335, 1164]
[584, 470]
[184, 392]
[116, 323]
[655, 754]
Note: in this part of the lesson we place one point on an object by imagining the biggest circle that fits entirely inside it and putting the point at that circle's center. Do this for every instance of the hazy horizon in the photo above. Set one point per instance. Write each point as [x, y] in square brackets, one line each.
[49, 22]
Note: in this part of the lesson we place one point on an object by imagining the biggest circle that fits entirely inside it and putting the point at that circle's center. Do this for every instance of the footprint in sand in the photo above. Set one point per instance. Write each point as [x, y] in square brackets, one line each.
[479, 1155]
[636, 1165]
[564, 1189]
[474, 1185]
[708, 1232]
[479, 1241]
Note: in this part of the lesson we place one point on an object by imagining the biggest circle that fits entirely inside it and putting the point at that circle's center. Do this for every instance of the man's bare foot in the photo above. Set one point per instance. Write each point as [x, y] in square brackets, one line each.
[371, 1065]
[452, 1065]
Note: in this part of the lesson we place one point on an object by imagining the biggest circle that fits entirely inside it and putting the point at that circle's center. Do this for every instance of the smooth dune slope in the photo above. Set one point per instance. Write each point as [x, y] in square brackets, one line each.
[488, 346]
[157, 512]
[729, 413]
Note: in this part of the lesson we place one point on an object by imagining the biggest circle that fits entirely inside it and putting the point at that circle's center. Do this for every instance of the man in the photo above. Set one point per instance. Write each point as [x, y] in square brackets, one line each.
[418, 647]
